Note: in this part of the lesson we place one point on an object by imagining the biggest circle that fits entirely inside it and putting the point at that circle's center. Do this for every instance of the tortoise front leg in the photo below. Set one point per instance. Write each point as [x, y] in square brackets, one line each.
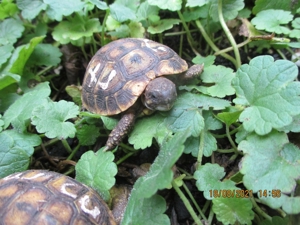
[120, 131]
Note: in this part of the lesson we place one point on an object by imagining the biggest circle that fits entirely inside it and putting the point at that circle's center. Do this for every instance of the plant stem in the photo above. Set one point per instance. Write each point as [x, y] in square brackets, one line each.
[73, 152]
[66, 145]
[231, 48]
[124, 158]
[186, 203]
[186, 28]
[194, 201]
[229, 35]
[201, 149]
[259, 211]
[103, 27]
[212, 45]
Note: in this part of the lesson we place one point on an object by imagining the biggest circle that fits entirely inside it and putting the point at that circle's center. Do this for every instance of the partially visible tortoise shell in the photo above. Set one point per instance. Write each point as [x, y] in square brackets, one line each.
[120, 71]
[36, 197]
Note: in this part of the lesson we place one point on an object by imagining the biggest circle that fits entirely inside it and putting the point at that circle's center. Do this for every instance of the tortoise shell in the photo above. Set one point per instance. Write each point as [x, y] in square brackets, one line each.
[42, 197]
[120, 71]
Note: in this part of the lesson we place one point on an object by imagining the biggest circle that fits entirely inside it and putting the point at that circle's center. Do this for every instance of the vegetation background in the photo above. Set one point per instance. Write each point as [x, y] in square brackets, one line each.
[227, 153]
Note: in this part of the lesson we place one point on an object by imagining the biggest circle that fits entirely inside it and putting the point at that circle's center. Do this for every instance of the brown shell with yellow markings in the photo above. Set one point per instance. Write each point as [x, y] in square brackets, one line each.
[37, 197]
[120, 71]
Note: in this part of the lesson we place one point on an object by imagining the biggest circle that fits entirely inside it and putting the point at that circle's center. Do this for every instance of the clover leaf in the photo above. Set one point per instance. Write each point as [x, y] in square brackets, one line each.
[143, 215]
[172, 5]
[50, 118]
[87, 134]
[19, 113]
[7, 8]
[99, 4]
[271, 163]
[16, 150]
[227, 209]
[268, 90]
[146, 129]
[230, 9]
[45, 54]
[31, 8]
[56, 9]
[159, 176]
[271, 20]
[186, 115]
[10, 30]
[194, 3]
[121, 12]
[98, 171]
[75, 29]
[233, 210]
[5, 53]
[222, 78]
[162, 25]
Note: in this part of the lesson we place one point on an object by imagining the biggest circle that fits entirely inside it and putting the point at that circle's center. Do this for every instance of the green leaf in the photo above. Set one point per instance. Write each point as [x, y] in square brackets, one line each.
[271, 19]
[271, 163]
[229, 117]
[209, 177]
[268, 90]
[99, 4]
[145, 10]
[221, 77]
[16, 150]
[159, 176]
[45, 55]
[121, 12]
[121, 32]
[56, 9]
[19, 112]
[172, 5]
[109, 122]
[31, 8]
[7, 79]
[145, 130]
[87, 134]
[233, 210]
[75, 93]
[296, 23]
[192, 144]
[1, 123]
[194, 3]
[230, 9]
[7, 9]
[76, 28]
[24, 54]
[146, 211]
[50, 118]
[207, 61]
[195, 13]
[209, 181]
[286, 5]
[295, 34]
[10, 30]
[5, 53]
[186, 115]
[136, 29]
[164, 24]
[276, 220]
[98, 171]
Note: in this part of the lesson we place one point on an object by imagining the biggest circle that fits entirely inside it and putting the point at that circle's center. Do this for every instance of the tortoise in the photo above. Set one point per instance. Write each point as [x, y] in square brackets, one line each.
[42, 197]
[125, 69]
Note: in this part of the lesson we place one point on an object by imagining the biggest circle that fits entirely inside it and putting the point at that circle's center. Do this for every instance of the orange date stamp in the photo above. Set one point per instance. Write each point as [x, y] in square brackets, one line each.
[223, 193]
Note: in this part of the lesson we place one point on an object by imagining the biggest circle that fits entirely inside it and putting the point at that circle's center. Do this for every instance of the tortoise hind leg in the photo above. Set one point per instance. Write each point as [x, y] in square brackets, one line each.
[120, 131]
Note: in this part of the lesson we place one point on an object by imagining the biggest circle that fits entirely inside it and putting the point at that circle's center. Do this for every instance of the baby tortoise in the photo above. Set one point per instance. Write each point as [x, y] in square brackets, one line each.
[122, 71]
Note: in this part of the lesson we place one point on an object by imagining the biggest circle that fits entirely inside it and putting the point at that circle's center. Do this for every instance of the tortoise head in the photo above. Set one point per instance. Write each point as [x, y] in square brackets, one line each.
[160, 94]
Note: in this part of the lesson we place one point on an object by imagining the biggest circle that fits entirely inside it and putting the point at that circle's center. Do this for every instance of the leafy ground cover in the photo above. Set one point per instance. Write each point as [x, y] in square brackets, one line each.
[226, 153]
